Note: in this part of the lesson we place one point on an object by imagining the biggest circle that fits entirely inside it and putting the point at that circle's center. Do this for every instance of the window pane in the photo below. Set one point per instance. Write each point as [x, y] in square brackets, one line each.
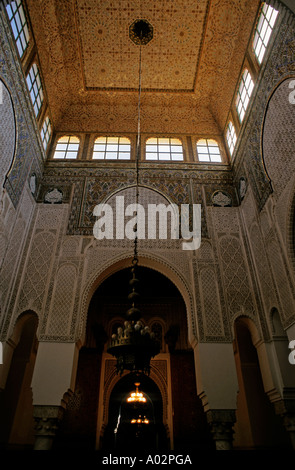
[164, 156]
[9, 11]
[59, 154]
[124, 140]
[215, 158]
[74, 147]
[177, 156]
[151, 156]
[124, 155]
[74, 139]
[60, 147]
[99, 147]
[124, 148]
[152, 148]
[71, 155]
[112, 140]
[98, 155]
[100, 140]
[65, 138]
[204, 158]
[111, 155]
[164, 148]
[112, 148]
[214, 150]
[175, 142]
[163, 141]
[152, 140]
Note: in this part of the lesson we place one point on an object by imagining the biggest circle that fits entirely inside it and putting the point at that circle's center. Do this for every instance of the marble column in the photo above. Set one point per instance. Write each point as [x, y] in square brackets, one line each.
[221, 424]
[286, 409]
[47, 420]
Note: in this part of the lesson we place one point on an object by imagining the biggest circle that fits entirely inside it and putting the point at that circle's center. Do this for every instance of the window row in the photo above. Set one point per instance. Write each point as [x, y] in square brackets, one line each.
[19, 25]
[156, 149]
[119, 148]
[262, 35]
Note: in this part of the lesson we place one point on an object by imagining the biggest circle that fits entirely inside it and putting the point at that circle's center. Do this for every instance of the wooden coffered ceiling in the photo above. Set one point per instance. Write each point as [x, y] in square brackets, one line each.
[190, 68]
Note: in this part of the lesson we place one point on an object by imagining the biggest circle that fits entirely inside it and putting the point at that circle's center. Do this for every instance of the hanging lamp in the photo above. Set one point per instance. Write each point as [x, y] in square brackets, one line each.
[135, 345]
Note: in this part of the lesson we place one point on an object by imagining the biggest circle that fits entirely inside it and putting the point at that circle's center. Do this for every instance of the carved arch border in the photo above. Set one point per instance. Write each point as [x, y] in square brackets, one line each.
[146, 260]
[251, 322]
[290, 226]
[114, 378]
[269, 98]
[16, 131]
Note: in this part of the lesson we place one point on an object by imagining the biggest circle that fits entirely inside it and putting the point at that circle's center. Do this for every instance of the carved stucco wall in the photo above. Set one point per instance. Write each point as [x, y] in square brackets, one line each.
[52, 263]
[21, 155]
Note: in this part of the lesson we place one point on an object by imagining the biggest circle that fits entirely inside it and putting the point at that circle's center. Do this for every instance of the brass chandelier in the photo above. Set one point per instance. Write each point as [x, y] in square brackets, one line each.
[135, 345]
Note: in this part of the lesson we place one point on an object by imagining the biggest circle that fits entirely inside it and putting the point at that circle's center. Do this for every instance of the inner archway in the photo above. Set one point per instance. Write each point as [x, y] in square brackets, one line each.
[135, 425]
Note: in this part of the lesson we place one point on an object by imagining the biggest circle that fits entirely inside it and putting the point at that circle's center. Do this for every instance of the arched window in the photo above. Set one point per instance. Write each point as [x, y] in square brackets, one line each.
[19, 25]
[158, 148]
[263, 30]
[231, 137]
[67, 147]
[35, 88]
[244, 94]
[208, 151]
[46, 132]
[111, 148]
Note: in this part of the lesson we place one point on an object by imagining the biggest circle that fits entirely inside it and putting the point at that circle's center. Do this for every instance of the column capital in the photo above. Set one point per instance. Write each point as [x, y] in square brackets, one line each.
[286, 409]
[47, 420]
[221, 425]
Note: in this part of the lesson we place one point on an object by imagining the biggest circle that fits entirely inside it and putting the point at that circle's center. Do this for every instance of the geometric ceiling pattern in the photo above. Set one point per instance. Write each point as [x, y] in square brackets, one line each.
[169, 61]
[190, 68]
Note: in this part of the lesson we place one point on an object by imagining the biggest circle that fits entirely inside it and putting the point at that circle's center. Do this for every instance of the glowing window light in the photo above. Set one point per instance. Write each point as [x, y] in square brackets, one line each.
[263, 31]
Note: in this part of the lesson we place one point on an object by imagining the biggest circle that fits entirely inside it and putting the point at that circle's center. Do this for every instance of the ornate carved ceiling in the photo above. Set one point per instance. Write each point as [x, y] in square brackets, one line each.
[189, 69]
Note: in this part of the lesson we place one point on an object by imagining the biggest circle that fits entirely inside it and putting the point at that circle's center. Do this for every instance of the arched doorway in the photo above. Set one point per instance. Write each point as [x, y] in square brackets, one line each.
[16, 400]
[257, 426]
[136, 424]
[171, 387]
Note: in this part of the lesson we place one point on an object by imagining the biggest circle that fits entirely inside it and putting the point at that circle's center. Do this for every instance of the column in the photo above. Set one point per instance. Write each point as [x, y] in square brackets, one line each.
[53, 382]
[47, 420]
[217, 386]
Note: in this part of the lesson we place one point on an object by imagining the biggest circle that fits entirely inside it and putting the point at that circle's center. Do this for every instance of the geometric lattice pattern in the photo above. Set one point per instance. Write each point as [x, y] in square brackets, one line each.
[37, 270]
[262, 267]
[236, 282]
[10, 259]
[7, 132]
[281, 280]
[211, 305]
[63, 300]
[278, 145]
